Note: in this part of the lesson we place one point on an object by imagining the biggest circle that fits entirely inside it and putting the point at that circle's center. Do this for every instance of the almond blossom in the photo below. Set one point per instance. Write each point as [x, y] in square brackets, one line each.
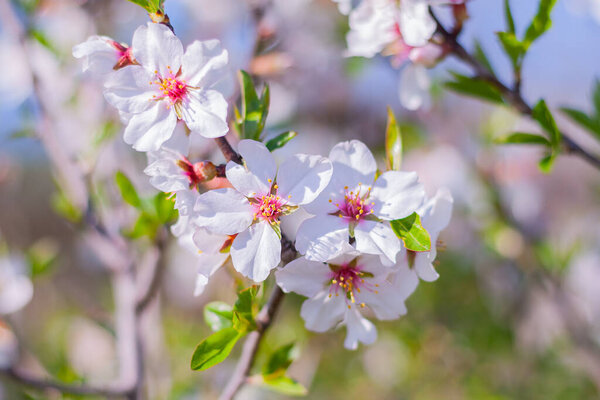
[356, 204]
[169, 85]
[435, 216]
[102, 55]
[340, 290]
[261, 195]
[16, 289]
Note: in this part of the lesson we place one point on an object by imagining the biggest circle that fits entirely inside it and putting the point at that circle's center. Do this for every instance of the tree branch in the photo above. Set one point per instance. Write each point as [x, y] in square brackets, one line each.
[512, 95]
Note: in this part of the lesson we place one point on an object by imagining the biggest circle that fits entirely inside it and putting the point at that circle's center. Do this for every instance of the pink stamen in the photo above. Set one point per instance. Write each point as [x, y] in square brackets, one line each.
[354, 206]
[171, 87]
[349, 279]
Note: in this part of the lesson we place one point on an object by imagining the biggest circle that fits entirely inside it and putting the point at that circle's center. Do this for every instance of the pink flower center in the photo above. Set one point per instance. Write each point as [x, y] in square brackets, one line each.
[170, 87]
[124, 55]
[268, 208]
[349, 279]
[355, 205]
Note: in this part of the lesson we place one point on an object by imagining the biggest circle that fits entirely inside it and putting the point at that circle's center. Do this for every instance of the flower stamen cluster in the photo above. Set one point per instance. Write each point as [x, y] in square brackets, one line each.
[354, 206]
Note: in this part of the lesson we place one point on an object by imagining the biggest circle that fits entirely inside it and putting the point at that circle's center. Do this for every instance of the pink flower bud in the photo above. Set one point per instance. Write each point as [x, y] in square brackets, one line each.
[205, 171]
[427, 56]
[125, 55]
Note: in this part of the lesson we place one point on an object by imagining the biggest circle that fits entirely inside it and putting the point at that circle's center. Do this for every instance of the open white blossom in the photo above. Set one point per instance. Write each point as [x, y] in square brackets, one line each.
[16, 289]
[358, 205]
[262, 194]
[102, 55]
[169, 85]
[341, 289]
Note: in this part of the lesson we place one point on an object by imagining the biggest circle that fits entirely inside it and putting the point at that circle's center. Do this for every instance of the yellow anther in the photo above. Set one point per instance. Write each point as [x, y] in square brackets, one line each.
[269, 180]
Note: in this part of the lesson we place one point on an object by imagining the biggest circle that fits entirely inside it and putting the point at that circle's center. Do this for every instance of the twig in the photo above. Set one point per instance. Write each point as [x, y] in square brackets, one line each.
[513, 96]
[157, 275]
[250, 349]
[228, 152]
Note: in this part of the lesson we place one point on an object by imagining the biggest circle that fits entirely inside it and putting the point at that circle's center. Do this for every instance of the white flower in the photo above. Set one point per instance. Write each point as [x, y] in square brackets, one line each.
[169, 86]
[102, 55]
[16, 289]
[170, 171]
[341, 289]
[356, 204]
[213, 253]
[262, 194]
[435, 216]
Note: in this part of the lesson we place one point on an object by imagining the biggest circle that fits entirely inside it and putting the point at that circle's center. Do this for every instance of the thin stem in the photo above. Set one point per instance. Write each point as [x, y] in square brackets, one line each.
[228, 152]
[512, 95]
[264, 320]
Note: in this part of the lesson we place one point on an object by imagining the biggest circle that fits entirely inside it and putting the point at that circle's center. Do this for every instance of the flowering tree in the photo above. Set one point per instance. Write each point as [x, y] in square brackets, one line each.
[353, 233]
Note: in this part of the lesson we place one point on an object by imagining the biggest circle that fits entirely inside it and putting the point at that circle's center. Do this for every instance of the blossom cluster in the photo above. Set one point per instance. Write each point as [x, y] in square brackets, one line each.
[351, 259]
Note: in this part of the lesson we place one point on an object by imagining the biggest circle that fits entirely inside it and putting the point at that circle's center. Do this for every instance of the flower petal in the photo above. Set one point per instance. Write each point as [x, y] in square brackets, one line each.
[358, 329]
[322, 312]
[155, 47]
[205, 113]
[99, 56]
[322, 238]
[416, 24]
[256, 251]
[129, 90]
[223, 211]
[209, 264]
[435, 213]
[353, 158]
[301, 178]
[148, 130]
[205, 65]
[396, 195]
[303, 277]
[252, 178]
[424, 267]
[413, 87]
[377, 238]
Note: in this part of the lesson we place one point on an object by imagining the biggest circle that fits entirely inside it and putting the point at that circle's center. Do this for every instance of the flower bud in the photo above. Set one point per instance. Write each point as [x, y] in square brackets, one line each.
[205, 171]
[427, 56]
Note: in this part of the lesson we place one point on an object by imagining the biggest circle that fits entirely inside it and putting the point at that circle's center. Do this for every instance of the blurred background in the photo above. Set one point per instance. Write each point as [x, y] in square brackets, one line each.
[516, 311]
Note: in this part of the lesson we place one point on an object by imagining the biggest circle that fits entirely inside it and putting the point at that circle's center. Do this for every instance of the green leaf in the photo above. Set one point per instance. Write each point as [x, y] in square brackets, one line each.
[42, 39]
[541, 22]
[510, 22]
[152, 6]
[474, 87]
[544, 117]
[146, 225]
[480, 55]
[254, 109]
[245, 309]
[280, 140]
[218, 315]
[214, 349]
[547, 162]
[63, 206]
[596, 97]
[165, 208]
[127, 190]
[279, 361]
[106, 133]
[584, 120]
[42, 256]
[523, 138]
[393, 143]
[514, 48]
[412, 233]
[283, 384]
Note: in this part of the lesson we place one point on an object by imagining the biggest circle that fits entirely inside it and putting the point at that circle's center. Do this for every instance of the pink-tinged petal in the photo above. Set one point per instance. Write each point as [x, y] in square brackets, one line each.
[377, 238]
[371, 28]
[205, 65]
[164, 173]
[257, 175]
[156, 48]
[413, 87]
[256, 251]
[304, 277]
[148, 130]
[396, 195]
[99, 56]
[358, 329]
[321, 313]
[301, 178]
[322, 238]
[416, 24]
[223, 211]
[129, 90]
[205, 113]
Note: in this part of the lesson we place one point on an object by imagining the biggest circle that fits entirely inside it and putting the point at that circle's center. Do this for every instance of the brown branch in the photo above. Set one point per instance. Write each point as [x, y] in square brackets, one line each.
[159, 269]
[512, 95]
[228, 152]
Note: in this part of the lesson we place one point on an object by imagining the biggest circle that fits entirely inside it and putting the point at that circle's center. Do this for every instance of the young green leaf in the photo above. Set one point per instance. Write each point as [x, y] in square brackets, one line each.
[165, 208]
[279, 361]
[510, 22]
[476, 88]
[283, 384]
[393, 143]
[523, 138]
[280, 140]
[584, 120]
[63, 206]
[245, 309]
[127, 190]
[480, 55]
[412, 233]
[514, 48]
[214, 349]
[544, 117]
[596, 98]
[541, 22]
[218, 315]
[146, 225]
[547, 162]
[254, 110]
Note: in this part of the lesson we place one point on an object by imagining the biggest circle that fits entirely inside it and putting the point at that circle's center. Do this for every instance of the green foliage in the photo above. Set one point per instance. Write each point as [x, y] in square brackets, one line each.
[251, 121]
[541, 22]
[590, 122]
[393, 143]
[218, 315]
[42, 256]
[245, 309]
[475, 88]
[151, 6]
[280, 140]
[128, 192]
[279, 361]
[63, 206]
[544, 117]
[283, 384]
[215, 348]
[523, 138]
[510, 22]
[480, 55]
[108, 131]
[412, 233]
[514, 48]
